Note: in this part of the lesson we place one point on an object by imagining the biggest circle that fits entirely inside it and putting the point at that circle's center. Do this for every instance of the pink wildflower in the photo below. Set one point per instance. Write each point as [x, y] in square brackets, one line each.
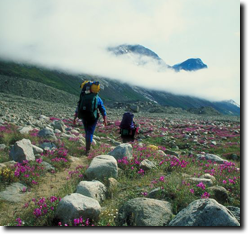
[201, 185]
[192, 191]
[161, 178]
[205, 195]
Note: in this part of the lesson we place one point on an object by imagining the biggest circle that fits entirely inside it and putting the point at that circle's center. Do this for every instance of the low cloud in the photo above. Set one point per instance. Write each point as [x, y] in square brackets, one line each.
[74, 36]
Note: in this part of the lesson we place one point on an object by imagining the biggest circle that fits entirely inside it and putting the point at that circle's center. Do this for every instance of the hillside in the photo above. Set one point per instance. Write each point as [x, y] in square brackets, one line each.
[62, 81]
[35, 90]
[112, 91]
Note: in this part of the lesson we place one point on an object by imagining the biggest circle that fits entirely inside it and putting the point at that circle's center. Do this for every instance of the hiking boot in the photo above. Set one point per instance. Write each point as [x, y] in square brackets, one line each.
[88, 145]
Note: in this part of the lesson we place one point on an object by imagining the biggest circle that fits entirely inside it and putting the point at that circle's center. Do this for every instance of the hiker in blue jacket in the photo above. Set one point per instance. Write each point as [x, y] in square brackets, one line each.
[89, 126]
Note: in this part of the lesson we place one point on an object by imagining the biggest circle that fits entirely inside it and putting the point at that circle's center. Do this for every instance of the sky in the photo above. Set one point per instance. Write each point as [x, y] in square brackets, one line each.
[73, 36]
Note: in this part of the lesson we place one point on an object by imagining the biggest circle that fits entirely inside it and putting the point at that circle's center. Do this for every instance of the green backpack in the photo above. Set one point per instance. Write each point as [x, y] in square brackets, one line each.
[88, 107]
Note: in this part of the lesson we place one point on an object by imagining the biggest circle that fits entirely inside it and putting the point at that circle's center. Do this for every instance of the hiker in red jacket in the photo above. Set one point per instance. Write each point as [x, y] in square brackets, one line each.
[128, 128]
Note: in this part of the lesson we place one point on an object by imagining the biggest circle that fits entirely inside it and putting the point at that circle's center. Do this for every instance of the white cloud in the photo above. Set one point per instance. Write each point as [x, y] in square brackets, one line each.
[73, 35]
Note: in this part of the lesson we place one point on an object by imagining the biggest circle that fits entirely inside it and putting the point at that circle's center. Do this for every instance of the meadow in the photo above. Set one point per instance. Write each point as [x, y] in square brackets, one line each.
[173, 146]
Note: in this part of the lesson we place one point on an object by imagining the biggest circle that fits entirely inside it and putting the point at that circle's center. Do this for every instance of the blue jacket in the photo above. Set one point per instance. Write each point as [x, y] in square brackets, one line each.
[100, 107]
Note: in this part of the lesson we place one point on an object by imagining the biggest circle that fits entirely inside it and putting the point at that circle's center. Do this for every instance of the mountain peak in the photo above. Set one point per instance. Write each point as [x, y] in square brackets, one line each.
[191, 64]
[141, 55]
[232, 102]
[135, 49]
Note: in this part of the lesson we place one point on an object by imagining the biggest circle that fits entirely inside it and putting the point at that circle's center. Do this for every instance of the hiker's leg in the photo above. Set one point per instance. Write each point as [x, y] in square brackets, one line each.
[86, 137]
[133, 135]
[89, 135]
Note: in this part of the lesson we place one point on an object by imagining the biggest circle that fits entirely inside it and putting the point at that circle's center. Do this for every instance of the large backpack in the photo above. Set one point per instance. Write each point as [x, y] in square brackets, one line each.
[88, 104]
[127, 121]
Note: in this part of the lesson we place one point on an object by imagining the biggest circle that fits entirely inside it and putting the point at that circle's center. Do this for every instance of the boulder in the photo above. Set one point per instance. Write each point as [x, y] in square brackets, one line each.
[94, 189]
[205, 212]
[47, 133]
[14, 193]
[235, 211]
[160, 152]
[25, 130]
[57, 131]
[144, 212]
[195, 180]
[44, 119]
[75, 205]
[208, 176]
[47, 166]
[121, 151]
[158, 193]
[22, 150]
[134, 108]
[2, 166]
[219, 193]
[211, 157]
[213, 143]
[112, 184]
[37, 150]
[170, 152]
[102, 167]
[147, 165]
[48, 146]
[59, 124]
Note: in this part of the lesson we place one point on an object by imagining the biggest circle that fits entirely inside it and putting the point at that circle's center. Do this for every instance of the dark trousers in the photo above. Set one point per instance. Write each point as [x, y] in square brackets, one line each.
[89, 132]
[130, 137]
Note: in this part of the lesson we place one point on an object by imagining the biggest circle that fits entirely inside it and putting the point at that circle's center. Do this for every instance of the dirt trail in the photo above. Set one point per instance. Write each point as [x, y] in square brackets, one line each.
[49, 185]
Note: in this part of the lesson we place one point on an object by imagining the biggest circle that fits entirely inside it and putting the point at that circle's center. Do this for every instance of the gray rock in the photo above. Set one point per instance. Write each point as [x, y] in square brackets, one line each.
[211, 157]
[144, 212]
[158, 193]
[75, 205]
[2, 166]
[102, 167]
[234, 157]
[14, 193]
[235, 211]
[161, 152]
[170, 152]
[195, 180]
[10, 163]
[47, 133]
[134, 108]
[112, 184]
[68, 136]
[44, 119]
[2, 146]
[208, 176]
[204, 212]
[114, 142]
[59, 124]
[219, 193]
[22, 150]
[37, 150]
[57, 131]
[47, 166]
[25, 130]
[94, 189]
[147, 165]
[122, 150]
[48, 146]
